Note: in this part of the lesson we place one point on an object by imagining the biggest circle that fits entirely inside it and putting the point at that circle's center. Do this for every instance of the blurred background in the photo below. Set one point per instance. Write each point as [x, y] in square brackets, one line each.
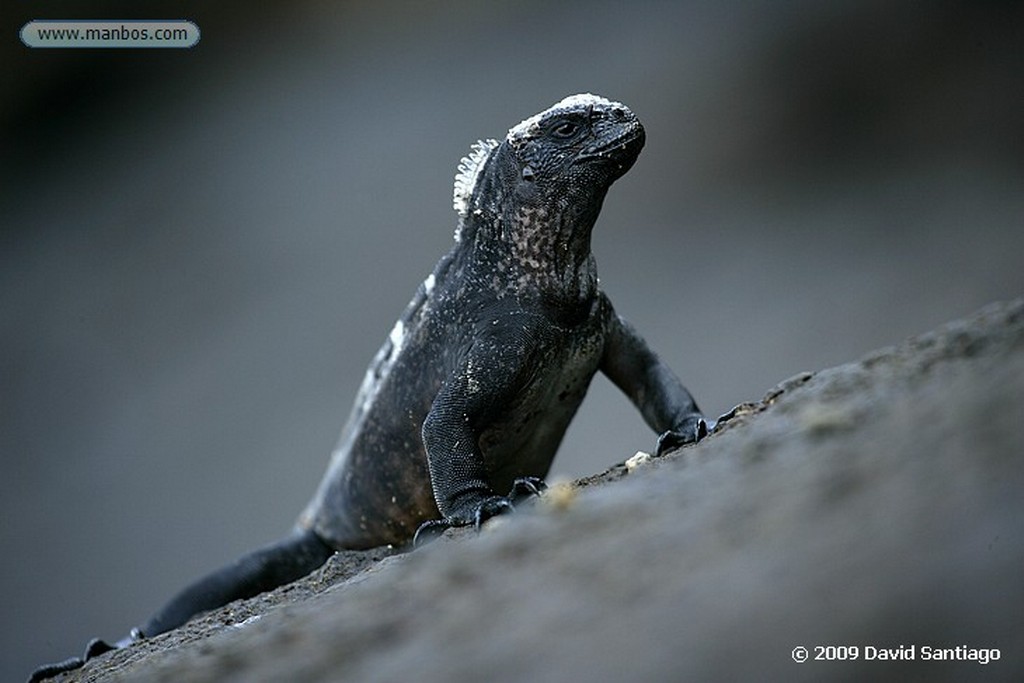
[202, 249]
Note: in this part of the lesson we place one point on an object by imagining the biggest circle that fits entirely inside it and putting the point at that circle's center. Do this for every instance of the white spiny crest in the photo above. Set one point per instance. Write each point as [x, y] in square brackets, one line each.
[528, 126]
[469, 170]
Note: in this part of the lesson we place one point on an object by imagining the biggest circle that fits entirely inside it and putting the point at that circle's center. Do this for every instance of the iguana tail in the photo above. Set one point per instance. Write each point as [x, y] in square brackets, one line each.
[262, 570]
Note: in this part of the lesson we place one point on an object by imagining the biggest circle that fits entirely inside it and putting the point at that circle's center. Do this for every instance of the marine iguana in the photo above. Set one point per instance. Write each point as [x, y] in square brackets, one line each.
[474, 387]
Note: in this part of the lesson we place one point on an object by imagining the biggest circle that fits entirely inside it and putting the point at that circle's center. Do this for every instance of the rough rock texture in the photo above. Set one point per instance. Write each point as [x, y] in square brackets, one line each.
[876, 503]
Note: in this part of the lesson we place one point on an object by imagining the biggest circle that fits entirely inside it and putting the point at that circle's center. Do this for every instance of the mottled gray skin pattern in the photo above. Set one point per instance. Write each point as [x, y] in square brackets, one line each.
[491, 359]
[472, 392]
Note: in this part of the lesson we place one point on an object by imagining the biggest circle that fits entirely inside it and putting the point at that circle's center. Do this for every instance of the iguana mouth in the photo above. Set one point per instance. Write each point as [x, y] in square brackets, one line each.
[618, 148]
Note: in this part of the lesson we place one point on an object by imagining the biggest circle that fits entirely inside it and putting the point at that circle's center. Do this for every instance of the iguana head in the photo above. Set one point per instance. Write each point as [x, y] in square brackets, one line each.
[582, 139]
[559, 163]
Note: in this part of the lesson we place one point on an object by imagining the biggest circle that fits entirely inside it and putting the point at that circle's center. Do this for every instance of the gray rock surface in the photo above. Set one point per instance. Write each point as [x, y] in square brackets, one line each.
[877, 503]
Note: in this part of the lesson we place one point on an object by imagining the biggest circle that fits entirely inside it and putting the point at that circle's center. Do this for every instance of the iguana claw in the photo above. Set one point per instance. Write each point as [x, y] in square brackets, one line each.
[522, 488]
[674, 438]
[429, 531]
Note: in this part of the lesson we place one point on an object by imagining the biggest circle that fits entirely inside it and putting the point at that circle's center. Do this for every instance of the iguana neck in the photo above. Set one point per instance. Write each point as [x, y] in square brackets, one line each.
[535, 253]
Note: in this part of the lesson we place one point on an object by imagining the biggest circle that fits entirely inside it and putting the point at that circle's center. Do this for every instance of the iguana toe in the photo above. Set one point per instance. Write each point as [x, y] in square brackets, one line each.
[692, 432]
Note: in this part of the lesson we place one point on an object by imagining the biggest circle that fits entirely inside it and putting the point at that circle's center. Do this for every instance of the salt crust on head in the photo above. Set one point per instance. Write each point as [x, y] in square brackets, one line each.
[580, 101]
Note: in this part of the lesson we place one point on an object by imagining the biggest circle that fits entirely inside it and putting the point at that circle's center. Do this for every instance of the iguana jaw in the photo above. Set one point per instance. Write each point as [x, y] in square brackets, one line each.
[626, 147]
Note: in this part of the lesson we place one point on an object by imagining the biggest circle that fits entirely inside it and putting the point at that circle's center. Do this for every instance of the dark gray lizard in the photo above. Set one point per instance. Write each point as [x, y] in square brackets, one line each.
[472, 392]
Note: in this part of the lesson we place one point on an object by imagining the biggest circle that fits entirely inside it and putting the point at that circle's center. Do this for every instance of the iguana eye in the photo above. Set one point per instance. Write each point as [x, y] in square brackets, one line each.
[565, 129]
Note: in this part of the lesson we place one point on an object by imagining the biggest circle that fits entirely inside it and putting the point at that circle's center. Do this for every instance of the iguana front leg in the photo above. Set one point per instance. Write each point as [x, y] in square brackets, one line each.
[666, 405]
[478, 392]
